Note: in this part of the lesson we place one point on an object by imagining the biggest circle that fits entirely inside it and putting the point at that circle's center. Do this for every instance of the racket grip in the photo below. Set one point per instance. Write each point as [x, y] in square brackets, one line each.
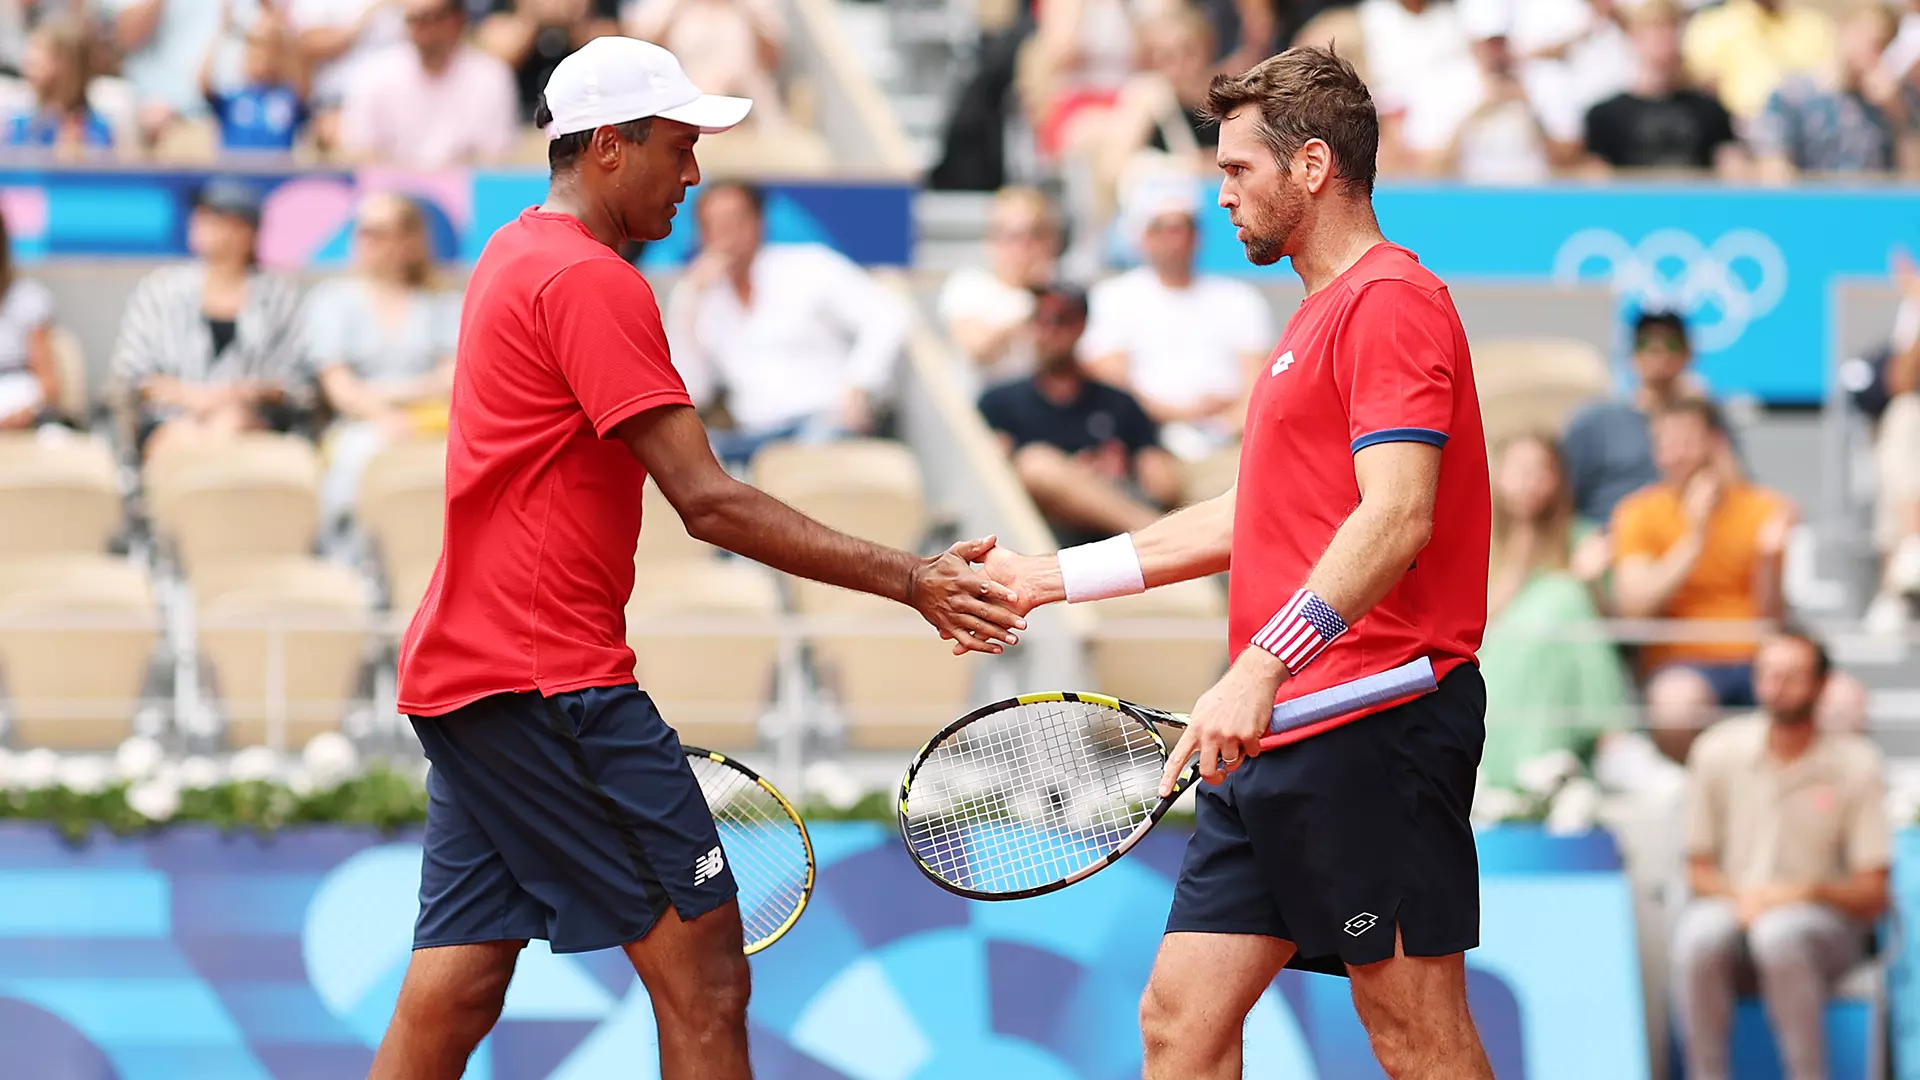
[1302, 716]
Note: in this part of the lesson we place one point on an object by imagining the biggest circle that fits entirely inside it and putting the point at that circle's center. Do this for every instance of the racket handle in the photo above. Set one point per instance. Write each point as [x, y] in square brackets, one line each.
[1303, 716]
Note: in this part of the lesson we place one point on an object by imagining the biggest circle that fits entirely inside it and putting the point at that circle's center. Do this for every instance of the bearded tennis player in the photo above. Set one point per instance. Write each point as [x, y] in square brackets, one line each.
[561, 805]
[1357, 538]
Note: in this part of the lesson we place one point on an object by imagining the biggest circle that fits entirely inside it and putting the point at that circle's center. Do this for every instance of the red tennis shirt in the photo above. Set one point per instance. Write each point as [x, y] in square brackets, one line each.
[560, 340]
[1378, 355]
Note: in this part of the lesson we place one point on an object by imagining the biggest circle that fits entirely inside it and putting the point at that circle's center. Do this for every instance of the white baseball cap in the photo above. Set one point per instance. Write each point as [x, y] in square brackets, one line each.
[612, 80]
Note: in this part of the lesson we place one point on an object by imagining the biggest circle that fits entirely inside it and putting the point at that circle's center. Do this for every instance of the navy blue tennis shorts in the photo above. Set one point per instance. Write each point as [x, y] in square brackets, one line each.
[1335, 841]
[574, 818]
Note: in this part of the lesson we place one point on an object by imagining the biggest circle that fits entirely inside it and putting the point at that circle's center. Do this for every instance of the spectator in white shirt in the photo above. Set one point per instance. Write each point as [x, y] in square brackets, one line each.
[731, 46]
[434, 102]
[801, 342]
[336, 36]
[1185, 345]
[1501, 141]
[1424, 80]
[988, 310]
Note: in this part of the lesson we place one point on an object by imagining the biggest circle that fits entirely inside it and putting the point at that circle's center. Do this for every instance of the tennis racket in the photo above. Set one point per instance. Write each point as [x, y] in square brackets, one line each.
[1029, 795]
[764, 841]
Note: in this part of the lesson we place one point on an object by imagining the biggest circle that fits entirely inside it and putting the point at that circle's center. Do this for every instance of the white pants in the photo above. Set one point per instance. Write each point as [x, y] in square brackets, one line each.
[351, 445]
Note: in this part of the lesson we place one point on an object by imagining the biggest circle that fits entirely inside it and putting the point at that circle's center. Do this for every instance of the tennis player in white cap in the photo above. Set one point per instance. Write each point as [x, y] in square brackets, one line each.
[561, 805]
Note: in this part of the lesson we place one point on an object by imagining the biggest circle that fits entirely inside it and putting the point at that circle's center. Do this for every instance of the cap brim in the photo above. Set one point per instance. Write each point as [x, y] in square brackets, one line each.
[710, 113]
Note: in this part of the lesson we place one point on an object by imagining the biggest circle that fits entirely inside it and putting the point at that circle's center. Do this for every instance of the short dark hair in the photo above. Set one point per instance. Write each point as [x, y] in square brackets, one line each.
[755, 195]
[564, 152]
[1661, 320]
[1069, 295]
[1822, 660]
[1303, 94]
[1706, 411]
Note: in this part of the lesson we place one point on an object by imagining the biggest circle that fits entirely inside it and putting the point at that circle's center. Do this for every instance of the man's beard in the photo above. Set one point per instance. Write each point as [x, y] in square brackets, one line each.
[1268, 234]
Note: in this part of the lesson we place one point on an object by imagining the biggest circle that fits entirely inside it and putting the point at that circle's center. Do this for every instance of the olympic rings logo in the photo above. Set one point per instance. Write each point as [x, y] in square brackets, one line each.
[1721, 288]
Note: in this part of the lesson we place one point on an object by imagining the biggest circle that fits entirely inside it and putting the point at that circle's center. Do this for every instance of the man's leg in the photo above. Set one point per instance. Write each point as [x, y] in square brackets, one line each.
[1197, 999]
[1068, 491]
[1415, 1011]
[448, 1002]
[1706, 964]
[696, 973]
[1798, 951]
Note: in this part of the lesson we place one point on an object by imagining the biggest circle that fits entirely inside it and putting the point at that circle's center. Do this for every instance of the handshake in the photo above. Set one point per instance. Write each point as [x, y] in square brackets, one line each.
[982, 610]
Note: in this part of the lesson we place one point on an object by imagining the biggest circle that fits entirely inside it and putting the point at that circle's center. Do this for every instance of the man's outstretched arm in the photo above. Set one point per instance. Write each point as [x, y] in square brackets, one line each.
[964, 606]
[1196, 541]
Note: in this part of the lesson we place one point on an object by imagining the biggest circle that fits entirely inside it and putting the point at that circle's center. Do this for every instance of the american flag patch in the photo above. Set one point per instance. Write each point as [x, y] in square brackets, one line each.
[1306, 625]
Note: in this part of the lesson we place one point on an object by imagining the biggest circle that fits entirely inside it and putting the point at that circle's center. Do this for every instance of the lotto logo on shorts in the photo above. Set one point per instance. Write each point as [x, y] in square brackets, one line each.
[708, 866]
[1361, 923]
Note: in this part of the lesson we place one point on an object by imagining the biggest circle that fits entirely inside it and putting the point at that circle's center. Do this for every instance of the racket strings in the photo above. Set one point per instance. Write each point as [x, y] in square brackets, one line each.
[1032, 795]
[763, 845]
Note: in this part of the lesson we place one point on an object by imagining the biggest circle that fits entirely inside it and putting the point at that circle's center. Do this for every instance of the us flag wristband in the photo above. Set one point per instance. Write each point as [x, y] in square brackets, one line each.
[1301, 629]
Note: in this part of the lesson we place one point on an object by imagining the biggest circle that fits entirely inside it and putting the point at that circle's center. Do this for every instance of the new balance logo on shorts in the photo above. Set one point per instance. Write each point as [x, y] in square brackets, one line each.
[708, 866]
[1361, 923]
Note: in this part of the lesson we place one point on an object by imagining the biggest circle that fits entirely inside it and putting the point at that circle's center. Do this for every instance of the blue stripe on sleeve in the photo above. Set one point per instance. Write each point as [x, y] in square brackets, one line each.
[1401, 434]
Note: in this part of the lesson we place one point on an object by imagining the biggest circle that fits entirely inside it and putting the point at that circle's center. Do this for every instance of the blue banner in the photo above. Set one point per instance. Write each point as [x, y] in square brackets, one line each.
[307, 218]
[192, 955]
[1752, 270]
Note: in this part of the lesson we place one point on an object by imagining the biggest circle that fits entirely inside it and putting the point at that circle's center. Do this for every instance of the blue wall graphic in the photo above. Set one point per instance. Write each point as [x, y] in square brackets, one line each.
[187, 954]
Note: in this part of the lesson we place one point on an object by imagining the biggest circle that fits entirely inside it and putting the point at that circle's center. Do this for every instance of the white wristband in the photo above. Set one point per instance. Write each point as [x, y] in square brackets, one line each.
[1102, 569]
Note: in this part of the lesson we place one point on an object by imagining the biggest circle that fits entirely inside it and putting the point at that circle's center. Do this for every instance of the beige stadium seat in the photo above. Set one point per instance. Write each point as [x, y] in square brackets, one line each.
[254, 496]
[76, 635]
[1212, 475]
[402, 507]
[317, 659]
[1504, 366]
[870, 488]
[1152, 648]
[708, 644]
[57, 495]
[188, 142]
[663, 536]
[751, 150]
[70, 362]
[896, 680]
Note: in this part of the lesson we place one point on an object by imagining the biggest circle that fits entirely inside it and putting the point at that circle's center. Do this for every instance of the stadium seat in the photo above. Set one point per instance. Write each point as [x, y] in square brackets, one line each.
[893, 677]
[1536, 385]
[750, 150]
[1212, 475]
[663, 537]
[76, 635]
[704, 634]
[1153, 648]
[250, 497]
[870, 488]
[57, 495]
[188, 142]
[402, 507]
[318, 656]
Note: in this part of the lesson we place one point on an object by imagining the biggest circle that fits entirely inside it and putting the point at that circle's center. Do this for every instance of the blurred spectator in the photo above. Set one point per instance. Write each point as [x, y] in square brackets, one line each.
[1700, 544]
[264, 109]
[381, 342]
[212, 347]
[1866, 121]
[532, 36]
[988, 310]
[1086, 452]
[433, 102]
[163, 42]
[1425, 80]
[1743, 49]
[1660, 122]
[1547, 689]
[1162, 108]
[1903, 55]
[29, 378]
[1569, 54]
[57, 68]
[1788, 851]
[800, 340]
[1073, 67]
[730, 46]
[1897, 466]
[1608, 446]
[1501, 141]
[335, 37]
[1185, 345]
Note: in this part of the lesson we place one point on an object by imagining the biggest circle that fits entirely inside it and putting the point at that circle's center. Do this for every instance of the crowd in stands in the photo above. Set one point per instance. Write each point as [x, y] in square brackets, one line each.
[1492, 91]
[416, 83]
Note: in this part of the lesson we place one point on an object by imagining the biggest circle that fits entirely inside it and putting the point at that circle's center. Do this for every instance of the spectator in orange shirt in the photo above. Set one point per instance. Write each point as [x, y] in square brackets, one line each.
[1702, 543]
